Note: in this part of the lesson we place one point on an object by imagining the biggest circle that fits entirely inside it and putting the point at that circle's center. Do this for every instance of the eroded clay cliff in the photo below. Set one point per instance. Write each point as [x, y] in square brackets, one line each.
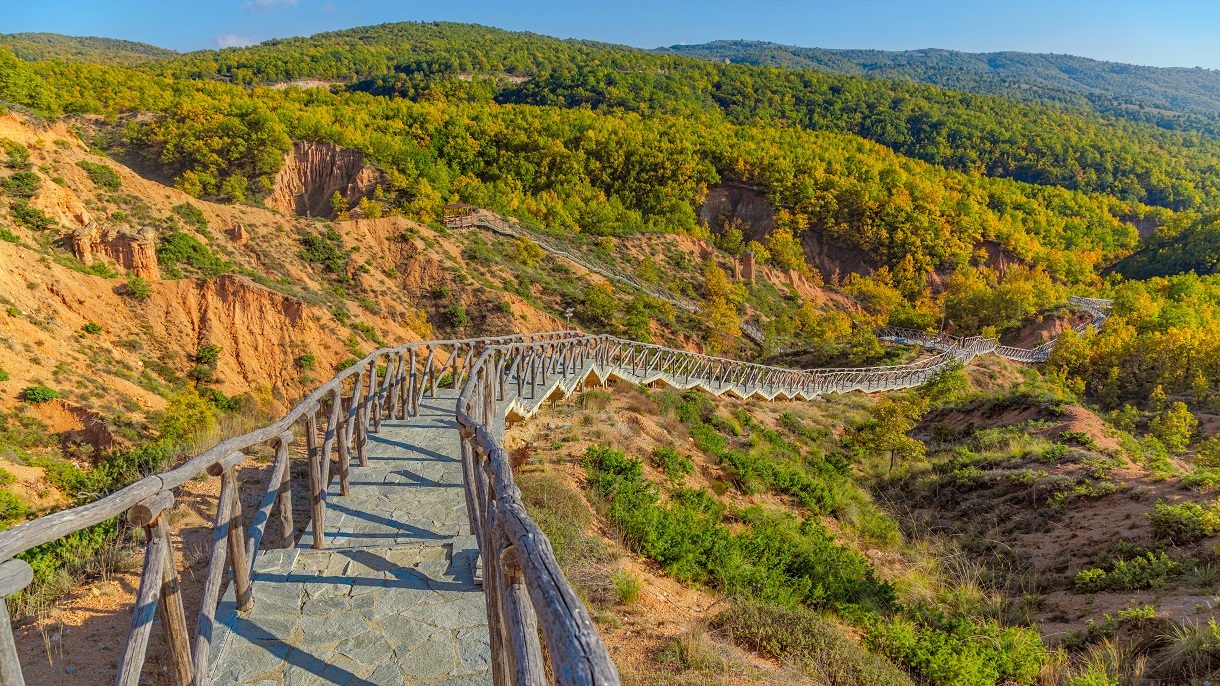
[311, 174]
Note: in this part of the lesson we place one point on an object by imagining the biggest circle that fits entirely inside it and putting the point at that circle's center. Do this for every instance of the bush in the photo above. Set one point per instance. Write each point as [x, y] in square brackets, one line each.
[1140, 572]
[959, 651]
[31, 218]
[307, 362]
[773, 557]
[137, 288]
[457, 316]
[101, 175]
[39, 394]
[208, 354]
[1183, 523]
[191, 215]
[626, 586]
[674, 465]
[187, 414]
[3, 375]
[23, 184]
[805, 639]
[8, 236]
[326, 250]
[92, 328]
[181, 248]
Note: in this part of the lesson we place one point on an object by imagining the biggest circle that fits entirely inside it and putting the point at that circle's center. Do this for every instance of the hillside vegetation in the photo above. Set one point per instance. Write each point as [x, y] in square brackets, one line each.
[1125, 90]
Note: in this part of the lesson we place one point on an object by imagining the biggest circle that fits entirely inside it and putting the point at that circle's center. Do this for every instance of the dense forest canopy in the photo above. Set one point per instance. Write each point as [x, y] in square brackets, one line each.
[1072, 148]
[595, 170]
[1030, 77]
[53, 46]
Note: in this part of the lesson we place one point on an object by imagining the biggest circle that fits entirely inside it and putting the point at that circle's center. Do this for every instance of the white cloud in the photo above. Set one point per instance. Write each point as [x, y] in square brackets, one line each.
[268, 5]
[232, 40]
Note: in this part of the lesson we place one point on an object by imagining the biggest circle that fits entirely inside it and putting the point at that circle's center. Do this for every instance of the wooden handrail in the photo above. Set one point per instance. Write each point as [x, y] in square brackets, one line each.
[525, 587]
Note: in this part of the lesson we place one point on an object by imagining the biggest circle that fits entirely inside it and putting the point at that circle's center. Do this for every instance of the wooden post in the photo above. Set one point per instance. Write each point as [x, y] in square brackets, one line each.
[284, 498]
[344, 452]
[520, 623]
[147, 599]
[216, 569]
[173, 613]
[412, 404]
[317, 489]
[237, 547]
[328, 441]
[14, 576]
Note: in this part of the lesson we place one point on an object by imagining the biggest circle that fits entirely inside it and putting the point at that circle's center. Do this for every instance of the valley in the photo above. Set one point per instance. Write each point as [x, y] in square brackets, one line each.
[762, 374]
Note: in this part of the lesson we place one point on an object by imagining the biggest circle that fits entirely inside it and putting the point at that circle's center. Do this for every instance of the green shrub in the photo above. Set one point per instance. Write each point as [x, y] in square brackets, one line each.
[187, 414]
[18, 154]
[191, 215]
[23, 184]
[181, 248]
[307, 362]
[326, 249]
[807, 640]
[675, 465]
[3, 375]
[102, 176]
[457, 315]
[959, 651]
[208, 354]
[774, 557]
[92, 328]
[8, 236]
[1183, 523]
[31, 218]
[39, 394]
[626, 586]
[1140, 572]
[137, 288]
[12, 509]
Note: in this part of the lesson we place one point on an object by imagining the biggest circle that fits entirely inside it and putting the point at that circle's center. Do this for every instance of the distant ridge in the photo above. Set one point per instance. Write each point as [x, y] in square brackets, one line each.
[1020, 75]
[48, 46]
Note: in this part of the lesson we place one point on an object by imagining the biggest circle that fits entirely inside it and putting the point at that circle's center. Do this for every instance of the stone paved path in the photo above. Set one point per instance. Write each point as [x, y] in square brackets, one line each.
[392, 600]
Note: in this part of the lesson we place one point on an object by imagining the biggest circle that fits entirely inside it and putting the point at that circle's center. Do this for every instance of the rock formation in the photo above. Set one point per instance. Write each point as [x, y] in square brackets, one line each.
[134, 251]
[311, 174]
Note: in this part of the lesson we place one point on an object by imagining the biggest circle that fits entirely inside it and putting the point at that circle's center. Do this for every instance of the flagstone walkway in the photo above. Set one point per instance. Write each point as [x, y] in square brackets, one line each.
[392, 599]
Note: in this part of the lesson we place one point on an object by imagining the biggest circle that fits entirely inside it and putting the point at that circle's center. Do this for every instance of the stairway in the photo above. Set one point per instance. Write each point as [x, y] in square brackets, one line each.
[392, 598]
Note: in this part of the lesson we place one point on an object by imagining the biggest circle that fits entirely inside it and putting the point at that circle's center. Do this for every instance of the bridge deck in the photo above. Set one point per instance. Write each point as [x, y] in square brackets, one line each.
[392, 599]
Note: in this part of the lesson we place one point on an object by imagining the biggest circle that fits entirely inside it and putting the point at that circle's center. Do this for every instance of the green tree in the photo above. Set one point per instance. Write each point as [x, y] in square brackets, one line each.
[1174, 428]
[599, 304]
[187, 415]
[886, 431]
[338, 205]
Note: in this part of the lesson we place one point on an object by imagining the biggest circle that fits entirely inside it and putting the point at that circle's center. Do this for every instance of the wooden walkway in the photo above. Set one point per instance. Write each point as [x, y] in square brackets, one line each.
[392, 599]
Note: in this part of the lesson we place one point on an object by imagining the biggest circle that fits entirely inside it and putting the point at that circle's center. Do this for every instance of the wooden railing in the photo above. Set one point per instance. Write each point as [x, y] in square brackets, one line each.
[351, 404]
[499, 376]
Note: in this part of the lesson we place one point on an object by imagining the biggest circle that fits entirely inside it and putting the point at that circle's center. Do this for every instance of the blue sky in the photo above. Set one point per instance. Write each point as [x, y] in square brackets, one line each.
[1154, 32]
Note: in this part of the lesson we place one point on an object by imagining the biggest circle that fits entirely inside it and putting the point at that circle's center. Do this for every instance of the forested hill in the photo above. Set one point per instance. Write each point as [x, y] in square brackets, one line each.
[53, 46]
[1019, 75]
[1075, 149]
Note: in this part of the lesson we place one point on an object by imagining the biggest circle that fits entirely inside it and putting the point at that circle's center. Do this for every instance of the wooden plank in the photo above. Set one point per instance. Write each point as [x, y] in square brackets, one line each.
[173, 613]
[283, 462]
[132, 659]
